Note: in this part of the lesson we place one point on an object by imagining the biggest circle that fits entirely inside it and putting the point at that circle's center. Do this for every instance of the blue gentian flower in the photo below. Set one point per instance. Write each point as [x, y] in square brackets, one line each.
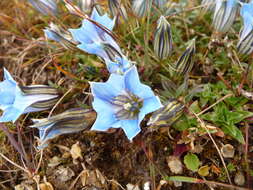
[92, 38]
[245, 44]
[225, 14]
[70, 121]
[15, 100]
[122, 102]
[45, 6]
[96, 41]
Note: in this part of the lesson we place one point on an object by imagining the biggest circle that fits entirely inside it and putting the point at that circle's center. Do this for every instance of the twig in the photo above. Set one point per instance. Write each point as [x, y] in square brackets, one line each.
[220, 100]
[57, 103]
[217, 148]
[213, 183]
[13, 163]
[12, 140]
[40, 161]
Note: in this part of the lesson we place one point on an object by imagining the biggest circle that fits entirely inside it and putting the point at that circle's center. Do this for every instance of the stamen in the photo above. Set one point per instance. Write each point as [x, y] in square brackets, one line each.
[127, 105]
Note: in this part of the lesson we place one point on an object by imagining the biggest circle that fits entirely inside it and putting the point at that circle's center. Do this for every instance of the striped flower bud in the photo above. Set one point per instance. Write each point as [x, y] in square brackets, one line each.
[60, 35]
[185, 62]
[116, 8]
[51, 93]
[225, 14]
[70, 121]
[163, 39]
[160, 3]
[111, 51]
[46, 7]
[166, 115]
[141, 7]
[208, 5]
[86, 5]
[245, 44]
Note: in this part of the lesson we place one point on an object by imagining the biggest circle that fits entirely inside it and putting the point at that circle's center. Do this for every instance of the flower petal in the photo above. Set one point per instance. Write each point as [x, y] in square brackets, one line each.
[106, 91]
[134, 85]
[94, 48]
[131, 128]
[10, 114]
[150, 105]
[103, 20]
[104, 121]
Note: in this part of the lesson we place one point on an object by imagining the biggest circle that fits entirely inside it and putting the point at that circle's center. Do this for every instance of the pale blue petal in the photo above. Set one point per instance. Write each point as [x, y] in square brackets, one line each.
[52, 35]
[7, 76]
[100, 105]
[247, 14]
[86, 34]
[134, 85]
[94, 48]
[104, 121]
[150, 105]
[110, 89]
[10, 114]
[131, 128]
[103, 20]
[7, 92]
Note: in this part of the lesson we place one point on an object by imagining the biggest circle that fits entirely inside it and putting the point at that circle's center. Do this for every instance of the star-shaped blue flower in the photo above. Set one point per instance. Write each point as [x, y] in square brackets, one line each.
[92, 38]
[96, 41]
[245, 44]
[122, 102]
[14, 102]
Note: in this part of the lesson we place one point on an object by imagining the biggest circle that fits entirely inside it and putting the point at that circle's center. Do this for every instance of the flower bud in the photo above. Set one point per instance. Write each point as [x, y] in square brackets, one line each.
[46, 7]
[163, 39]
[208, 5]
[225, 14]
[185, 62]
[245, 44]
[141, 7]
[160, 3]
[51, 93]
[167, 115]
[60, 35]
[86, 5]
[116, 8]
[70, 121]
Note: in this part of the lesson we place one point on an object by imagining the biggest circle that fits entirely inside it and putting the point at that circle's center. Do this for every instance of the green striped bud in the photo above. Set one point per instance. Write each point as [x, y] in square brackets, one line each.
[60, 35]
[163, 39]
[141, 7]
[245, 44]
[166, 115]
[114, 6]
[225, 14]
[50, 95]
[185, 62]
[70, 121]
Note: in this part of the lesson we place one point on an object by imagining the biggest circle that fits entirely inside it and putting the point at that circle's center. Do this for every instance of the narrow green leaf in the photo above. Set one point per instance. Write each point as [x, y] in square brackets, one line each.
[182, 179]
